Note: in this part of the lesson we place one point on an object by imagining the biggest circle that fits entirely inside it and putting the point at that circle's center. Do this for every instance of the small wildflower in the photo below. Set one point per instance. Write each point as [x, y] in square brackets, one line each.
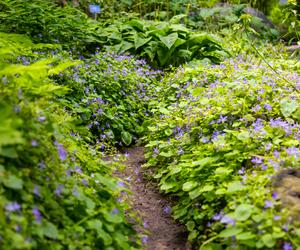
[37, 214]
[268, 204]
[12, 207]
[287, 246]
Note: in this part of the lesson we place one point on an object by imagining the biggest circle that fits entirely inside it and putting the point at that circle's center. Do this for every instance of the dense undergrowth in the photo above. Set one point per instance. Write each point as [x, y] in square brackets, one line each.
[56, 192]
[218, 145]
[219, 137]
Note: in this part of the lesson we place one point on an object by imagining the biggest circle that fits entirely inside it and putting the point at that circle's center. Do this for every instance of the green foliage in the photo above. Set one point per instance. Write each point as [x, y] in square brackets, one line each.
[110, 96]
[220, 135]
[56, 192]
[44, 21]
[162, 43]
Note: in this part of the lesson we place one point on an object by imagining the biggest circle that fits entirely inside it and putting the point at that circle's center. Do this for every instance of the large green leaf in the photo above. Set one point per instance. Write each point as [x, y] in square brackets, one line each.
[288, 107]
[229, 232]
[243, 212]
[139, 41]
[169, 40]
[126, 138]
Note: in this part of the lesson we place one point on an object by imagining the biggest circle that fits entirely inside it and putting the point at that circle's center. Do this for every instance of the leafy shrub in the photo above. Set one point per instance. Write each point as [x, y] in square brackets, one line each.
[162, 43]
[110, 96]
[56, 192]
[45, 22]
[220, 137]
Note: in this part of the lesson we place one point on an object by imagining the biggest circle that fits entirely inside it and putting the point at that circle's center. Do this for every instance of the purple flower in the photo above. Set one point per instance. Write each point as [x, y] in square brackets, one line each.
[78, 170]
[59, 189]
[145, 239]
[121, 184]
[37, 214]
[36, 191]
[241, 171]
[227, 220]
[276, 153]
[41, 118]
[277, 217]
[34, 143]
[287, 246]
[268, 107]
[18, 228]
[12, 207]
[75, 192]
[156, 151]
[167, 210]
[222, 119]
[264, 167]
[256, 160]
[115, 211]
[84, 182]
[62, 153]
[292, 151]
[268, 204]
[275, 195]
[218, 216]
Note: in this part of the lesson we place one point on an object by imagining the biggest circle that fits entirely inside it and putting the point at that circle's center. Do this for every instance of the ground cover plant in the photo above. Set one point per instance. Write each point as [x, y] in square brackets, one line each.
[220, 139]
[56, 192]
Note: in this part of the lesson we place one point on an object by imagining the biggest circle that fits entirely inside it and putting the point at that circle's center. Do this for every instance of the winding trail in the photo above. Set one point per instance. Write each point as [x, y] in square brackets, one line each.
[152, 207]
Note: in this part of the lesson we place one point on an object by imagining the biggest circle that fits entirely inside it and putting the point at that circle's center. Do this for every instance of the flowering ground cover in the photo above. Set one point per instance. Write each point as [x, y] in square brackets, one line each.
[222, 142]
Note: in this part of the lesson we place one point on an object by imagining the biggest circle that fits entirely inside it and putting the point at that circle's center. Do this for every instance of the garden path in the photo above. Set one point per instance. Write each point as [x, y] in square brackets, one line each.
[152, 207]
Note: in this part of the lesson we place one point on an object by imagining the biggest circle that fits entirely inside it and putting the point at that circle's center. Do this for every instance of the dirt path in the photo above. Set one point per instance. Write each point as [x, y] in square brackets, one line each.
[152, 207]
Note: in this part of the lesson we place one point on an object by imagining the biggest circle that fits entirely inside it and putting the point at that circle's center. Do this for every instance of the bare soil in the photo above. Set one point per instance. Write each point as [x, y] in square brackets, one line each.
[152, 207]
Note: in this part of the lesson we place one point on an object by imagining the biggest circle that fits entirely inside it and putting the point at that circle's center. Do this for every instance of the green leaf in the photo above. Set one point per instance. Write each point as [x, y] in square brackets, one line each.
[268, 240]
[50, 230]
[126, 137]
[243, 212]
[229, 232]
[235, 187]
[113, 217]
[107, 240]
[139, 41]
[169, 40]
[243, 136]
[245, 236]
[288, 107]
[13, 182]
[168, 185]
[189, 186]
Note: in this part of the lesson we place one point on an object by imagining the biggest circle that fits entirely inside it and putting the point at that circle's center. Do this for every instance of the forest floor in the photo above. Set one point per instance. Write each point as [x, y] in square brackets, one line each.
[152, 207]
